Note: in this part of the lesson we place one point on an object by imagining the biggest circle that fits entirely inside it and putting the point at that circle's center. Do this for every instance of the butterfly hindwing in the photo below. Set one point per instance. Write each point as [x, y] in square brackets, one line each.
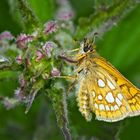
[109, 104]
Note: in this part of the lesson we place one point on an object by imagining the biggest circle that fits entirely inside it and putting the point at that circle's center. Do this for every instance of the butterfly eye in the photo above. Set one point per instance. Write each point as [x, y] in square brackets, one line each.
[87, 48]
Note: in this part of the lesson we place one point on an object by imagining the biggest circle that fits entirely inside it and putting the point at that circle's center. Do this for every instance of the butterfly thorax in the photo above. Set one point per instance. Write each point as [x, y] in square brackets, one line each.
[86, 62]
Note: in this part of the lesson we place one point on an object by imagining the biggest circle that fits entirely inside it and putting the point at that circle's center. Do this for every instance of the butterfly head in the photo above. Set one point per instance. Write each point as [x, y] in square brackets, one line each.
[88, 45]
[87, 48]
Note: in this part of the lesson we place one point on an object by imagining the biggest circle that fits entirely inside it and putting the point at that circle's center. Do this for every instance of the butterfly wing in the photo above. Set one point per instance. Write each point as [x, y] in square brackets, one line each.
[129, 91]
[104, 91]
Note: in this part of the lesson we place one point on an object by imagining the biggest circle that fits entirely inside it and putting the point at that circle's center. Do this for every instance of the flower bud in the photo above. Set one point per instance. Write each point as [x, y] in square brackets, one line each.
[19, 59]
[39, 55]
[23, 39]
[48, 47]
[55, 72]
[50, 27]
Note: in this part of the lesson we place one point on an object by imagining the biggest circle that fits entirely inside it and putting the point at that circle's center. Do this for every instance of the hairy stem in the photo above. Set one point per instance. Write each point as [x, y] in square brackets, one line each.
[64, 128]
[28, 16]
[105, 19]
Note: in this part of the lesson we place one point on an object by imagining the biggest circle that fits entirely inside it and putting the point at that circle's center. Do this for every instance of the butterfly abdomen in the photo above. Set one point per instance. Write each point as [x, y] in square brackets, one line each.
[83, 100]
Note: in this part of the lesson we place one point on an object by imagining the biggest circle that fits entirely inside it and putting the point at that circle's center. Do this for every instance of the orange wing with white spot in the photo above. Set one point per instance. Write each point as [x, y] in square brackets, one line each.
[130, 92]
[104, 91]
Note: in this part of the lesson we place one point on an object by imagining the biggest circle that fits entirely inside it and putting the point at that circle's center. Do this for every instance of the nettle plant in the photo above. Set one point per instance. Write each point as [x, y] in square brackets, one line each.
[35, 53]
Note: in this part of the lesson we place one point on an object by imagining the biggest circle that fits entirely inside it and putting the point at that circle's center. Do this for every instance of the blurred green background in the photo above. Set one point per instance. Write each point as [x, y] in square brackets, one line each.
[120, 45]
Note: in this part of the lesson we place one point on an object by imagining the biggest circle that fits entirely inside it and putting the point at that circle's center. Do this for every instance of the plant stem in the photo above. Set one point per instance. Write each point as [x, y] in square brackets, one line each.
[105, 19]
[28, 16]
[64, 128]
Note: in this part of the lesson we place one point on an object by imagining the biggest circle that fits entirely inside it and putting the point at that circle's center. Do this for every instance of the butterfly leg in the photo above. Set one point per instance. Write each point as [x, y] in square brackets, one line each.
[71, 86]
[66, 77]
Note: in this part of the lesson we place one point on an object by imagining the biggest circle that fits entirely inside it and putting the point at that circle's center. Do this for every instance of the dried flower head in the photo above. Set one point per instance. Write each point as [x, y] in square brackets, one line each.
[50, 27]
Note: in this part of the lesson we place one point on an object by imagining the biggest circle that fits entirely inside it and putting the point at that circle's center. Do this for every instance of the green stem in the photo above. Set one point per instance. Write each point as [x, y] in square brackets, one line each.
[103, 20]
[65, 128]
[29, 19]
[58, 98]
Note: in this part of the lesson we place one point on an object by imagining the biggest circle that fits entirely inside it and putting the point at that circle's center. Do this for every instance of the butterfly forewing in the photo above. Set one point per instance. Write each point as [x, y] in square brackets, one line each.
[130, 92]
[104, 91]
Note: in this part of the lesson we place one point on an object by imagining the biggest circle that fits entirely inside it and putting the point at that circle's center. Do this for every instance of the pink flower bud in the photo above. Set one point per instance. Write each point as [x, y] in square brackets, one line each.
[55, 72]
[39, 55]
[48, 47]
[6, 35]
[23, 39]
[19, 59]
[50, 27]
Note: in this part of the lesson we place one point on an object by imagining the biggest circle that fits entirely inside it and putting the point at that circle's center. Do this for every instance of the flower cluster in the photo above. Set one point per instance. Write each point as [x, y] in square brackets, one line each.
[35, 56]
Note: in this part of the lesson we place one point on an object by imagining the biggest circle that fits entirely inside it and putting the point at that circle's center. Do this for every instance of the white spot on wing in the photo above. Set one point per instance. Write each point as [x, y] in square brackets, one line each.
[120, 96]
[96, 106]
[111, 86]
[116, 107]
[112, 108]
[100, 97]
[107, 107]
[101, 83]
[109, 97]
[119, 103]
[101, 106]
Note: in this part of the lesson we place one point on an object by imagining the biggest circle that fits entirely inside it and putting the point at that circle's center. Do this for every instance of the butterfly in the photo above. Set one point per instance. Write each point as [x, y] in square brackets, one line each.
[102, 89]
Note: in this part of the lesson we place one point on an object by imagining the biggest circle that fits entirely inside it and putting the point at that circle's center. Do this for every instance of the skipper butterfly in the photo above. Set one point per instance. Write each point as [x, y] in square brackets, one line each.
[103, 90]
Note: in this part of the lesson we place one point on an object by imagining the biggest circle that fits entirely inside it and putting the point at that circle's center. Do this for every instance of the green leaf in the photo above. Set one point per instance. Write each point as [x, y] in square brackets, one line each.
[7, 17]
[44, 9]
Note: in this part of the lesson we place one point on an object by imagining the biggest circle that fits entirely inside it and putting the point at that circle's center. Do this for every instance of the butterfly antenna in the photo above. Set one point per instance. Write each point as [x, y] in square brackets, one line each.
[94, 37]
